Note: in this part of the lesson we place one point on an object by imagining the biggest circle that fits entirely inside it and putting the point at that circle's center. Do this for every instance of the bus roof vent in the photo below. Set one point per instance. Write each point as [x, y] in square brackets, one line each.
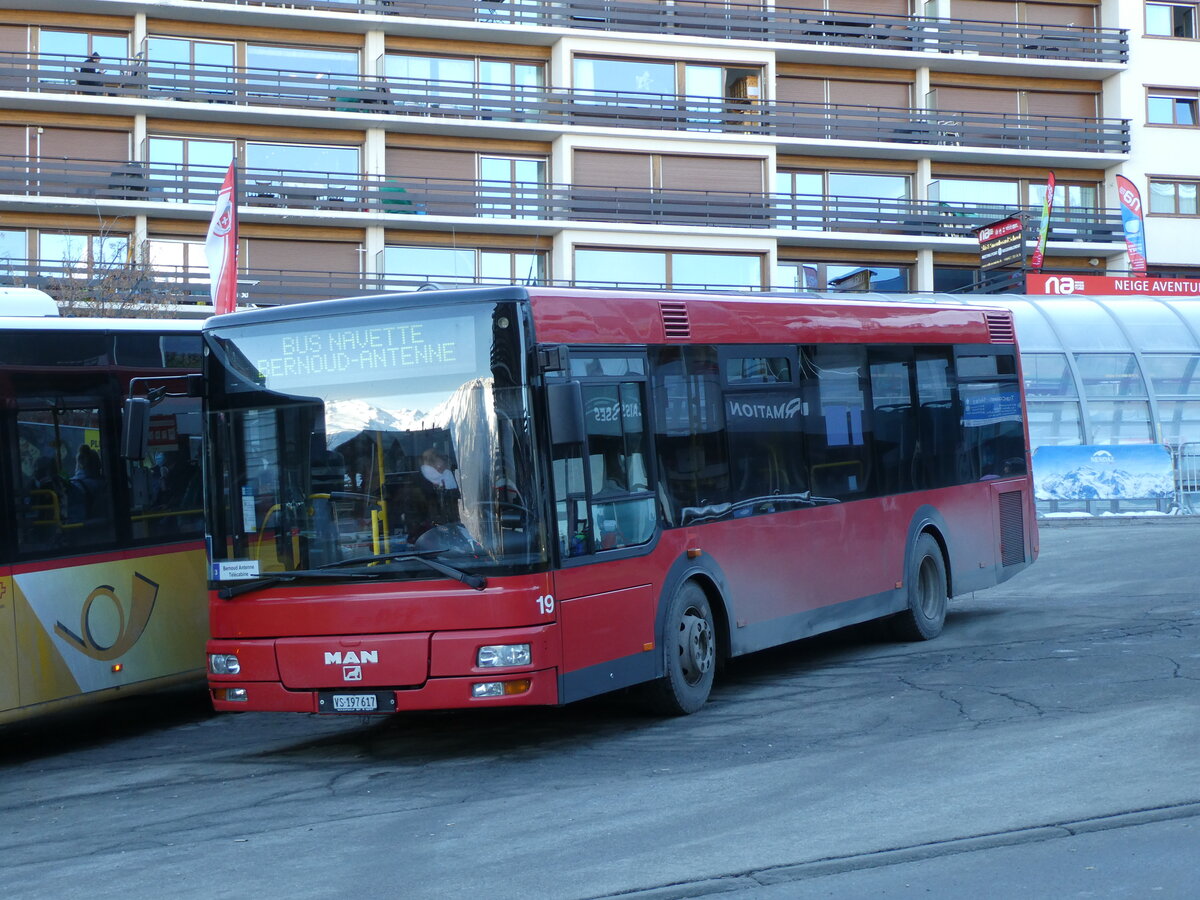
[1000, 328]
[675, 320]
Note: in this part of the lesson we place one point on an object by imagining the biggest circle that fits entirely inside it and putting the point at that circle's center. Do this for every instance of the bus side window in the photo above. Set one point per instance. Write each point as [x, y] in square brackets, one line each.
[622, 509]
[164, 488]
[65, 494]
[690, 438]
[893, 419]
[938, 447]
[839, 465]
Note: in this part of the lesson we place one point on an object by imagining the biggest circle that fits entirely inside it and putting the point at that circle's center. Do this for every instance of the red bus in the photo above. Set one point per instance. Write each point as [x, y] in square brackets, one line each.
[102, 562]
[512, 496]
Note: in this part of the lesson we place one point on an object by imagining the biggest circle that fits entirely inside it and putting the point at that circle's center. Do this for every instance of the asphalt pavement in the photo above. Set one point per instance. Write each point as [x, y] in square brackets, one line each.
[1046, 745]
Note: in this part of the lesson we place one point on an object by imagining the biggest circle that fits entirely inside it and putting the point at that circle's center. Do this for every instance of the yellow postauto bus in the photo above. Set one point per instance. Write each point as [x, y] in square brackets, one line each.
[102, 562]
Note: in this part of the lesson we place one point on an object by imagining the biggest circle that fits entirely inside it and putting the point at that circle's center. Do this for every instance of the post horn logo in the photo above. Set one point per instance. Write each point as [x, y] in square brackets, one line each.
[131, 624]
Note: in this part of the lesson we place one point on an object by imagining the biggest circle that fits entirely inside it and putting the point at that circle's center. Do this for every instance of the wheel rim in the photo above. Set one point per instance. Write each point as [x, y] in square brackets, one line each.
[696, 646]
[929, 593]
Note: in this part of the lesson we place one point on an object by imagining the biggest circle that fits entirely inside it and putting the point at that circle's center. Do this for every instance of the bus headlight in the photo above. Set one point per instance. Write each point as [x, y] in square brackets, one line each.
[500, 655]
[223, 664]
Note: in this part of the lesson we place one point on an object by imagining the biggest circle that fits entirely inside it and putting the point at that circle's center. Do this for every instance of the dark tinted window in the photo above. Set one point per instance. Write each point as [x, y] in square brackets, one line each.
[690, 428]
[893, 420]
[838, 459]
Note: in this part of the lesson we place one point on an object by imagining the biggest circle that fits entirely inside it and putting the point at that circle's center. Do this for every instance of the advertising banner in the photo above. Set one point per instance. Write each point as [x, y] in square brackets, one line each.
[1044, 228]
[1001, 243]
[1131, 219]
[1109, 472]
[1108, 285]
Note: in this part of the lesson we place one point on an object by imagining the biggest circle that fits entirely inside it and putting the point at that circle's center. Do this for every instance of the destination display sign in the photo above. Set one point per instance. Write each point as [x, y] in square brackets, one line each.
[372, 351]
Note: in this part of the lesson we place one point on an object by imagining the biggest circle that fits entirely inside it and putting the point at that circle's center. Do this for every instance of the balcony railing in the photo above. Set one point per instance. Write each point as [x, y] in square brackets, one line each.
[750, 22]
[137, 79]
[275, 189]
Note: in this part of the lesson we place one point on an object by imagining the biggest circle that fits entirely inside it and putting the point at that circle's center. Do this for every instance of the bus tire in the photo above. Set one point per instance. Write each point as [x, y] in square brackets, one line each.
[927, 593]
[689, 650]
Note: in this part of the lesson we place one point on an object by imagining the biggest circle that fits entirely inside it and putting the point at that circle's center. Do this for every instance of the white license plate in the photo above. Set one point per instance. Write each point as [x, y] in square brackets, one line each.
[354, 703]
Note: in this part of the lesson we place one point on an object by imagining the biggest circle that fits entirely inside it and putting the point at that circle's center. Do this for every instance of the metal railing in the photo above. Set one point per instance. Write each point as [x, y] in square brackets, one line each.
[1187, 477]
[751, 22]
[237, 86]
[395, 195]
[179, 287]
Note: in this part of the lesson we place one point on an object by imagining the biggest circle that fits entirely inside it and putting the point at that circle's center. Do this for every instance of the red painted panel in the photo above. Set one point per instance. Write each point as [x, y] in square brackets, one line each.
[379, 608]
[455, 652]
[600, 627]
[391, 660]
[257, 660]
[564, 316]
[441, 693]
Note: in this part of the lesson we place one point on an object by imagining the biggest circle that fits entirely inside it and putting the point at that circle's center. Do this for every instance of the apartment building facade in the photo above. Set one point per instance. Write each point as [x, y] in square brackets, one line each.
[385, 143]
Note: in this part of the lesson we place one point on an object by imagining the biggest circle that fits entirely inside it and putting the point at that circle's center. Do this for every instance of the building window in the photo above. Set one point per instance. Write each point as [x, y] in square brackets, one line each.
[285, 60]
[172, 258]
[414, 266]
[640, 76]
[512, 187]
[792, 275]
[1171, 19]
[667, 268]
[82, 252]
[14, 251]
[1173, 198]
[450, 82]
[833, 195]
[186, 169]
[1176, 108]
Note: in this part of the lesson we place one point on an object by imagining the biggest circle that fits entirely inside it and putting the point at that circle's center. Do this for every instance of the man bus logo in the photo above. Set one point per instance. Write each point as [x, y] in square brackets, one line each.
[351, 662]
[131, 622]
[350, 657]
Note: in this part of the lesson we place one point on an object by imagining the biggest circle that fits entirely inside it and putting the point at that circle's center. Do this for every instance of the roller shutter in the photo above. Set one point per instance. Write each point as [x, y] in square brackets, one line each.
[962, 99]
[594, 168]
[800, 90]
[403, 162]
[884, 94]
[1038, 103]
[712, 173]
[83, 144]
[301, 256]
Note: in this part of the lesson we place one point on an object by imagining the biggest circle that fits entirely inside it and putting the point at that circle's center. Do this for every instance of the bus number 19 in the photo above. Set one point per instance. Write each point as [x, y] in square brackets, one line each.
[545, 604]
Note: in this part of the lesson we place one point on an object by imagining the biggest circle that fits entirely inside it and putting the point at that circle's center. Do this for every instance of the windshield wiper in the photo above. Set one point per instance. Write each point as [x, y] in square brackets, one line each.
[425, 557]
[244, 587]
[478, 582]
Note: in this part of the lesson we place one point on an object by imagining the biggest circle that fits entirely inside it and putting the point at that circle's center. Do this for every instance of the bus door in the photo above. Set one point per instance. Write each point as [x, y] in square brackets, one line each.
[607, 518]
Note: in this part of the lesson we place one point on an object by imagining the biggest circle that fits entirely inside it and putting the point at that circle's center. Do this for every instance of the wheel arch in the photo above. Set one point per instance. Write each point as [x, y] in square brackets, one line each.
[708, 575]
[927, 520]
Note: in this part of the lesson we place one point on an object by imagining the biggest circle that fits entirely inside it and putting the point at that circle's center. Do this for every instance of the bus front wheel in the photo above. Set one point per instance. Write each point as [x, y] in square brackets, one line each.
[690, 654]
[927, 594]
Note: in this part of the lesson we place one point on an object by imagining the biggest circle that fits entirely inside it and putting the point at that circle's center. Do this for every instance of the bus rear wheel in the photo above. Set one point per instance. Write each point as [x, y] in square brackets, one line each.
[927, 594]
[690, 654]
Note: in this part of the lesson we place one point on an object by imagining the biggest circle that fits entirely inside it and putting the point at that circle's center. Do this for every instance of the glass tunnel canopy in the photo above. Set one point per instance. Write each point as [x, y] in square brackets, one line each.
[398, 432]
[1107, 370]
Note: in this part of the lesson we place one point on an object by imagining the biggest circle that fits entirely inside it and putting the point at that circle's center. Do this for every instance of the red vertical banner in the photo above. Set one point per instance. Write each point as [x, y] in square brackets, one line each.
[1039, 250]
[220, 247]
[1131, 218]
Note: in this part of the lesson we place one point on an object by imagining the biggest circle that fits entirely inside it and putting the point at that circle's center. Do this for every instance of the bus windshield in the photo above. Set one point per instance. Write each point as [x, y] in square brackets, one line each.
[373, 434]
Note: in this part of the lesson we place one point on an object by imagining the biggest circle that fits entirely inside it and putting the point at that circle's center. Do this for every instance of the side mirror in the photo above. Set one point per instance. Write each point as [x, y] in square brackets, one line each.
[135, 428]
[564, 400]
